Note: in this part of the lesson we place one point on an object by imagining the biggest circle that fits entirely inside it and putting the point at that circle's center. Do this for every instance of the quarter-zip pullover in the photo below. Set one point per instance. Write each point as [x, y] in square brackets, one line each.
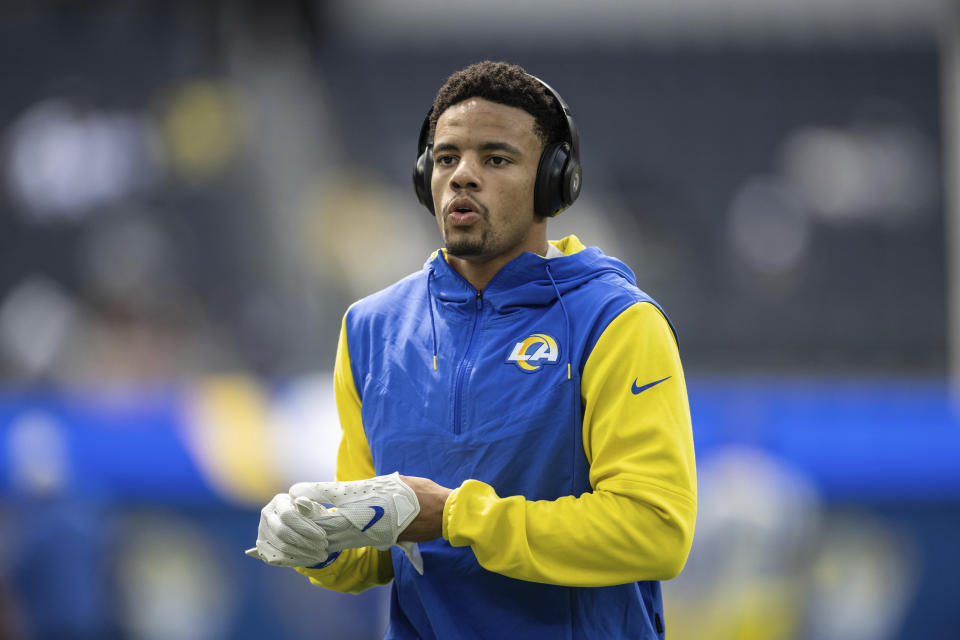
[555, 402]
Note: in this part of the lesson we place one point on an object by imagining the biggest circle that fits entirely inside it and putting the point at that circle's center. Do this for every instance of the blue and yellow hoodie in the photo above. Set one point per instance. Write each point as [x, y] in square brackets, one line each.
[555, 402]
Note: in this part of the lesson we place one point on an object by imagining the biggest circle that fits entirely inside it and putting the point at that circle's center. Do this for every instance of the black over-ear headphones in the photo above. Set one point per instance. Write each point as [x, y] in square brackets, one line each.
[558, 175]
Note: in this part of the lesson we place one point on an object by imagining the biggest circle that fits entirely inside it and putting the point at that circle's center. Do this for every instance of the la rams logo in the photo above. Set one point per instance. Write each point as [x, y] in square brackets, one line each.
[534, 351]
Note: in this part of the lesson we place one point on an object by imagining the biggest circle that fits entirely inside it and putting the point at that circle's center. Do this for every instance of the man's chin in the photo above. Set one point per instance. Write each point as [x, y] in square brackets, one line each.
[465, 249]
[464, 245]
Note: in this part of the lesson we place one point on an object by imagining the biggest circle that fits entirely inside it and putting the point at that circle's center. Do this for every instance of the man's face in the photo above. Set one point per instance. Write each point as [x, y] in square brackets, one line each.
[485, 162]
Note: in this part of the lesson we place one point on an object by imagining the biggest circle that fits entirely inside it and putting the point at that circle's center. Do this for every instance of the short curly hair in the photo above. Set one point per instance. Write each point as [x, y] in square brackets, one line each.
[506, 84]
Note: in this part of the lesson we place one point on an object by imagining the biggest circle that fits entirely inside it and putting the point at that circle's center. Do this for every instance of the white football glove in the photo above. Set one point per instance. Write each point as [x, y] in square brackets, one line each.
[288, 536]
[365, 513]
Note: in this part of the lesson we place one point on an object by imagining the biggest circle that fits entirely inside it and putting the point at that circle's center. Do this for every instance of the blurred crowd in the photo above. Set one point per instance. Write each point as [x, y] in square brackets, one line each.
[193, 188]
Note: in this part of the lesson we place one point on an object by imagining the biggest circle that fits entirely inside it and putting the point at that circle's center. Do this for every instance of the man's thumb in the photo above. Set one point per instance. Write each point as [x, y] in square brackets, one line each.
[309, 509]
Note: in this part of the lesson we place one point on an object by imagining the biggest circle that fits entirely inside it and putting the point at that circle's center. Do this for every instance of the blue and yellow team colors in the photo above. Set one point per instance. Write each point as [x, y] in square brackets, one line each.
[555, 402]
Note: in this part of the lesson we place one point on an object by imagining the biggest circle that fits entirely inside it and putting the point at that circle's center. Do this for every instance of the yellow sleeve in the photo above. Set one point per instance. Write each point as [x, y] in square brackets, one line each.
[356, 569]
[637, 523]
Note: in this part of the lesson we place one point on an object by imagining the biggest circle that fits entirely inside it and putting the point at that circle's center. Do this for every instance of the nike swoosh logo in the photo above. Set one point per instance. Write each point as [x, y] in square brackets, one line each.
[638, 390]
[378, 511]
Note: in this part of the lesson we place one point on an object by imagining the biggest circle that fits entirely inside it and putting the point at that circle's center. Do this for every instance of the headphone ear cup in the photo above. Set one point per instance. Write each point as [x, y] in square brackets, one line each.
[552, 189]
[572, 181]
[422, 178]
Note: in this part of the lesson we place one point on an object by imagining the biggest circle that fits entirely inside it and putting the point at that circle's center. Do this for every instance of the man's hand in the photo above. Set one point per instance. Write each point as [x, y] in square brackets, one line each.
[428, 525]
[288, 538]
[364, 513]
[297, 530]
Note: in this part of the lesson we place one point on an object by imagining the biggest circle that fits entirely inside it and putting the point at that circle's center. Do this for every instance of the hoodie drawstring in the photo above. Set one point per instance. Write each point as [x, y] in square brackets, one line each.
[566, 320]
[433, 325]
[576, 419]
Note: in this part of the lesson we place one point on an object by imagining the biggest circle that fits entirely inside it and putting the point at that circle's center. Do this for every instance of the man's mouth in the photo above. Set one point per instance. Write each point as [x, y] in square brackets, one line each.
[463, 211]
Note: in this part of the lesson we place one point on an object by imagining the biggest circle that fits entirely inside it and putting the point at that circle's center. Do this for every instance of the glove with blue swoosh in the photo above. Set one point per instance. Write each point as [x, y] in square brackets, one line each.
[364, 513]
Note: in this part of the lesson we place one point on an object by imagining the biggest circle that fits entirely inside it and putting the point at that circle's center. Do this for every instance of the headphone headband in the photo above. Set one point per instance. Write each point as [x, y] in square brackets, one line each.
[572, 136]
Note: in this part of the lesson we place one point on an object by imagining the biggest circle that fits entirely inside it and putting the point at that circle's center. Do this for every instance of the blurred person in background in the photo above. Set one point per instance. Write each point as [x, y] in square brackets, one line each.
[509, 366]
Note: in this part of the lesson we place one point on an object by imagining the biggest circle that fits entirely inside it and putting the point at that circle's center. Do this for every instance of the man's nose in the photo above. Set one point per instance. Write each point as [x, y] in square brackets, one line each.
[466, 175]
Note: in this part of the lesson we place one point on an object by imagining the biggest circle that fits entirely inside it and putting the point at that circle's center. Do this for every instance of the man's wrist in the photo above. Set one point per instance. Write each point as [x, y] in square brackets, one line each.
[432, 497]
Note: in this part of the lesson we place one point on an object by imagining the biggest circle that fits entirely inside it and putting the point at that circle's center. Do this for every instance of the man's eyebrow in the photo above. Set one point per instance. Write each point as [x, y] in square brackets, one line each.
[500, 146]
[486, 146]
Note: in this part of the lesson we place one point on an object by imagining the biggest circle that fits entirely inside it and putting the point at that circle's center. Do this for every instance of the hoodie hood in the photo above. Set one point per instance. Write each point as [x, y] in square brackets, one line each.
[529, 279]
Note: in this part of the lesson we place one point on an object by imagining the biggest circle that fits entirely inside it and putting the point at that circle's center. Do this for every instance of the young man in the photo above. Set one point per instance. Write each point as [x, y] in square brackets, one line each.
[529, 393]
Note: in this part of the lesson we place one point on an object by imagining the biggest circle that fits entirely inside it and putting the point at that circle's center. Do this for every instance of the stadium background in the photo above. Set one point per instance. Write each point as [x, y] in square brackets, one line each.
[193, 192]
